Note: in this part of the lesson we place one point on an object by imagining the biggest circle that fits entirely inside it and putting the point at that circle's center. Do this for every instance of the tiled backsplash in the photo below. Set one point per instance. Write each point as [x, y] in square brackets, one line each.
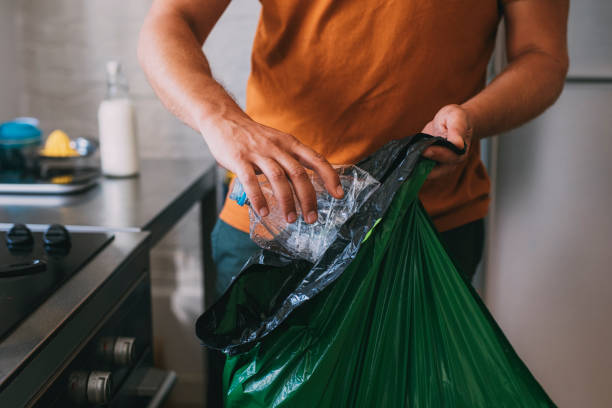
[65, 46]
[11, 78]
[60, 48]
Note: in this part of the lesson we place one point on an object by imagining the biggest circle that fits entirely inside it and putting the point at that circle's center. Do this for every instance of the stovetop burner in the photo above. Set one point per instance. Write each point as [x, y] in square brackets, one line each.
[34, 264]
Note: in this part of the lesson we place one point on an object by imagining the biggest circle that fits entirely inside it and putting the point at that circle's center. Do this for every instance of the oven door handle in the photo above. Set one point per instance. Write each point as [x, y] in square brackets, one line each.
[24, 268]
[150, 383]
[164, 389]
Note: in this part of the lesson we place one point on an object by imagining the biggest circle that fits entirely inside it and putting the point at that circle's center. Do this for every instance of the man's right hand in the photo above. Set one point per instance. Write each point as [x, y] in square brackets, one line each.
[246, 148]
[170, 51]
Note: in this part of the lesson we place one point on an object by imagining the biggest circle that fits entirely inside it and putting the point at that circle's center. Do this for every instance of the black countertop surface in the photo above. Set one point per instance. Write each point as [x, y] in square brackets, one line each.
[153, 201]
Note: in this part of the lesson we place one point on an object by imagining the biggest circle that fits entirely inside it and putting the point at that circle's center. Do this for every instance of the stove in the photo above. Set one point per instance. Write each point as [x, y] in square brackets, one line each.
[34, 264]
[75, 320]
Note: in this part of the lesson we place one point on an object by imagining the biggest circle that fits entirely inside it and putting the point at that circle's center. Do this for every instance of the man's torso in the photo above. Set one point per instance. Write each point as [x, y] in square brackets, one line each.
[346, 76]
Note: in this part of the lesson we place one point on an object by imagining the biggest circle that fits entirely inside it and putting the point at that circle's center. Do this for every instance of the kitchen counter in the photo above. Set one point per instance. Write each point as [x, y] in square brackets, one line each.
[36, 350]
[154, 201]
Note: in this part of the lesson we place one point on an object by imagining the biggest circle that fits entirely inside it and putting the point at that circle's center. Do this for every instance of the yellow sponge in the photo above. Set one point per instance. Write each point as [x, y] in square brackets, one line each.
[58, 145]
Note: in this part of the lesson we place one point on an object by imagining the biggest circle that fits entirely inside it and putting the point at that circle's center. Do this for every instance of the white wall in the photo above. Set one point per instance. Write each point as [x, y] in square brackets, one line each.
[229, 46]
[10, 78]
[65, 46]
[549, 280]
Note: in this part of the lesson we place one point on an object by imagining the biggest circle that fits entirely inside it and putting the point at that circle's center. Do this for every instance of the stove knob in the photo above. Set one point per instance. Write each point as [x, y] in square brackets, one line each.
[106, 350]
[19, 237]
[120, 351]
[124, 352]
[77, 387]
[57, 236]
[90, 388]
[99, 386]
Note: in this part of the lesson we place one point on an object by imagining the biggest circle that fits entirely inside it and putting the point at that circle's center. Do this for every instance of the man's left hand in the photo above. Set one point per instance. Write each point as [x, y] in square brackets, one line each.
[452, 122]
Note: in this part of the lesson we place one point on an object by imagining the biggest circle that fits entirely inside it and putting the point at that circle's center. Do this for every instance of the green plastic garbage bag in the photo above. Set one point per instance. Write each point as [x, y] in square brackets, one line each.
[398, 327]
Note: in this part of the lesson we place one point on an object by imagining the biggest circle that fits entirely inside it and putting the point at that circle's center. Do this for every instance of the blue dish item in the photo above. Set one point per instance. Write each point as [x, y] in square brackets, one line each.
[19, 134]
[27, 119]
[19, 144]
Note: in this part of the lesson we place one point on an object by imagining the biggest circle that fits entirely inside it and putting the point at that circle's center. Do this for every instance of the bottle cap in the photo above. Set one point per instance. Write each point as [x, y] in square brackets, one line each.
[238, 193]
[113, 68]
[116, 81]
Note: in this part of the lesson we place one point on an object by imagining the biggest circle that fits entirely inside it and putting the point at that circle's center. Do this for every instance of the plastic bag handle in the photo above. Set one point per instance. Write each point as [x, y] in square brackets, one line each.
[440, 141]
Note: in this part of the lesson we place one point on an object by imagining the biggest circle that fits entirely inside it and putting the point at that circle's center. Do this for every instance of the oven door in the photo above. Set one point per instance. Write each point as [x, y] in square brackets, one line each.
[115, 367]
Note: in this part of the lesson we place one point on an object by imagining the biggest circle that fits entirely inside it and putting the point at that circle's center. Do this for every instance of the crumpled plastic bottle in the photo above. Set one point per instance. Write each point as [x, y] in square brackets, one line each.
[299, 239]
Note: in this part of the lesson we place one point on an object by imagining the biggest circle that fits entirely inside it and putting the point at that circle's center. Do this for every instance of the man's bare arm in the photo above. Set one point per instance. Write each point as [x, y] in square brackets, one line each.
[170, 52]
[536, 42]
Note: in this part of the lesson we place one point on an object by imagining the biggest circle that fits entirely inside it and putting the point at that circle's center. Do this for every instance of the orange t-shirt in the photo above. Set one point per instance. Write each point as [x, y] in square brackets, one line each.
[347, 76]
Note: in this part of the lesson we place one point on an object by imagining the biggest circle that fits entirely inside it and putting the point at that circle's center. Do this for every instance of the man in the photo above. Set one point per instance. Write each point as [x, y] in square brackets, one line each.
[332, 81]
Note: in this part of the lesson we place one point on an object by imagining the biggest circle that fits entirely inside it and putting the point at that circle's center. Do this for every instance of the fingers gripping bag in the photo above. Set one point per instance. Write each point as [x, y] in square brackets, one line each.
[381, 319]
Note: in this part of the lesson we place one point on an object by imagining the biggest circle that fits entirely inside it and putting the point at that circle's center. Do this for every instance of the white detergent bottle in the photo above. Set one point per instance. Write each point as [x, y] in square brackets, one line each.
[117, 126]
